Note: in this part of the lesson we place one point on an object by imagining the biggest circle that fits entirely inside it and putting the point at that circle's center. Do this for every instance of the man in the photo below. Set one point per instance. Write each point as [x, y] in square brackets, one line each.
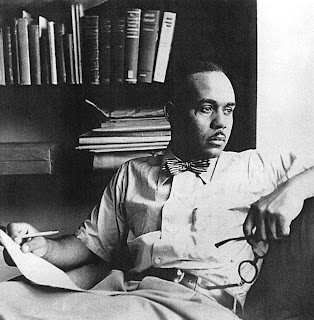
[182, 215]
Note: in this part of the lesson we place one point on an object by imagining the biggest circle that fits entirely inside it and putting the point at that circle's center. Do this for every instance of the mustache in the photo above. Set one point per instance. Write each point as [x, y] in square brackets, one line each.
[220, 135]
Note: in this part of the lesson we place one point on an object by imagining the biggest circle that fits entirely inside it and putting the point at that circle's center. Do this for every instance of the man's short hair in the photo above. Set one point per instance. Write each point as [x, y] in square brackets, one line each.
[183, 70]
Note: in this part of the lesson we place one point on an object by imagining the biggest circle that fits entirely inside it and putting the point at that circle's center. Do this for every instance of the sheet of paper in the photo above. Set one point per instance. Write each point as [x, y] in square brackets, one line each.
[37, 269]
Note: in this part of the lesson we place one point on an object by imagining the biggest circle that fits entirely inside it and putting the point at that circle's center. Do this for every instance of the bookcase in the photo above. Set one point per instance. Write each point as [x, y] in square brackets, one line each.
[220, 30]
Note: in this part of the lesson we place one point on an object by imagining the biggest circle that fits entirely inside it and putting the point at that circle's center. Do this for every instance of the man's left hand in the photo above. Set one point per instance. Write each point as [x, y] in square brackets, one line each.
[272, 215]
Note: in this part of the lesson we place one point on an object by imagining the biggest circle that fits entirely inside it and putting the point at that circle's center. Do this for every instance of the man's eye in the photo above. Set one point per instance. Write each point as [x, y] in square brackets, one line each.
[207, 109]
[228, 111]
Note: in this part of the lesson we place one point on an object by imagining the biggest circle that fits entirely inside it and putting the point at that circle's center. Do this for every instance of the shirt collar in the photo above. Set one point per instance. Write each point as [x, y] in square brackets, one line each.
[205, 176]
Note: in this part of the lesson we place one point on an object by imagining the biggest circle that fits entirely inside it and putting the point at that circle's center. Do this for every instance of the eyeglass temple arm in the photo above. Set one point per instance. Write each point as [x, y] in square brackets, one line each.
[218, 244]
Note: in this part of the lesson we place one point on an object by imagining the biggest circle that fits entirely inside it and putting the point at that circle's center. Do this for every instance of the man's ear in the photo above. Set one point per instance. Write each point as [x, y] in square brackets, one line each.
[170, 110]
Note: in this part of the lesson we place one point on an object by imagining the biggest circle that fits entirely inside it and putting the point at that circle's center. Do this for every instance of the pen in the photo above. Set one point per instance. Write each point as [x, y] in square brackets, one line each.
[39, 234]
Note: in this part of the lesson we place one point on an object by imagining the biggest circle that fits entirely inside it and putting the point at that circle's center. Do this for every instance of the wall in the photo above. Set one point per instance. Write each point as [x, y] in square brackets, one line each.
[285, 111]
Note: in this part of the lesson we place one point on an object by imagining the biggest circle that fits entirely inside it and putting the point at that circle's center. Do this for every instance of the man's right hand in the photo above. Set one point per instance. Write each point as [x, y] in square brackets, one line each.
[37, 245]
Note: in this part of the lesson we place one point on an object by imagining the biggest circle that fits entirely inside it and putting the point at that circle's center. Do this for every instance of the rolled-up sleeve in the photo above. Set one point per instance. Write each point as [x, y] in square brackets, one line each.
[105, 229]
[268, 170]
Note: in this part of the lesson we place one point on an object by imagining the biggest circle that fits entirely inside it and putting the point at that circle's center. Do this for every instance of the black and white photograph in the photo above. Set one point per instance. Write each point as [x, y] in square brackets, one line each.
[156, 159]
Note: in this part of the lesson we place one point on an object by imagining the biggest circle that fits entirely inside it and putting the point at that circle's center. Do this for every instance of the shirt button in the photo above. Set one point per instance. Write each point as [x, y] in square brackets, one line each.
[157, 260]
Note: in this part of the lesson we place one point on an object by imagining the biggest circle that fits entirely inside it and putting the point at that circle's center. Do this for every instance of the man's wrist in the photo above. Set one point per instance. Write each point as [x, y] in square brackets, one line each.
[303, 184]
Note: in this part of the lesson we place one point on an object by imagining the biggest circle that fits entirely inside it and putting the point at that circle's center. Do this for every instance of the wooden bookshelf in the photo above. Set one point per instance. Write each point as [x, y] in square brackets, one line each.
[223, 31]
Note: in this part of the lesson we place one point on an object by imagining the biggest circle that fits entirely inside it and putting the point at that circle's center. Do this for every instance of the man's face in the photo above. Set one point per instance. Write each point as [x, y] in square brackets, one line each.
[207, 118]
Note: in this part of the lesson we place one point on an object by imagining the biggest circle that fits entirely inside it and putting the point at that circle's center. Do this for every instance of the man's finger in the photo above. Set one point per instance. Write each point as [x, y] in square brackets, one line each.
[31, 245]
[271, 227]
[36, 245]
[17, 229]
[248, 227]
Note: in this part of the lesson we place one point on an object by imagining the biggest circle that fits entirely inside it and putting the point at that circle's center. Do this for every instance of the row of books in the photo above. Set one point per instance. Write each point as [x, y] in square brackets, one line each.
[124, 137]
[36, 51]
[93, 49]
[132, 48]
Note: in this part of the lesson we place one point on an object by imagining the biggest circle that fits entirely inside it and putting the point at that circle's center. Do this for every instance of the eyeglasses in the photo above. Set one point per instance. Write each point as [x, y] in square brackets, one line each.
[247, 269]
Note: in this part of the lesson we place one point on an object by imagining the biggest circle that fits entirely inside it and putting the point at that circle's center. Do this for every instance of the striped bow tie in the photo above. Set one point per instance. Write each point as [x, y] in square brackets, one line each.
[174, 166]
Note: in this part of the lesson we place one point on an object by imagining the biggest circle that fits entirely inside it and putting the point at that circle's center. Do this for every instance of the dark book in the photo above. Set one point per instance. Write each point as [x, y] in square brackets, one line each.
[90, 49]
[59, 38]
[164, 46]
[34, 53]
[23, 46]
[133, 22]
[148, 41]
[44, 58]
[15, 53]
[117, 50]
[2, 68]
[52, 53]
[7, 48]
[69, 58]
[104, 49]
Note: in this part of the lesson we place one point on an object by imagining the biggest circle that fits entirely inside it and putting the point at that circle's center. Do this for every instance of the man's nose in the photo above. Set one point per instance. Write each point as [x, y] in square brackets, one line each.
[219, 120]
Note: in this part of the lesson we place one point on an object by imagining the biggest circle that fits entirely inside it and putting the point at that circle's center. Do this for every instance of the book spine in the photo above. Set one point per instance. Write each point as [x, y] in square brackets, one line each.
[8, 60]
[148, 41]
[2, 68]
[133, 22]
[164, 47]
[52, 53]
[15, 53]
[112, 161]
[23, 46]
[104, 49]
[79, 12]
[25, 167]
[75, 43]
[69, 58]
[20, 151]
[44, 57]
[34, 54]
[118, 50]
[126, 139]
[90, 42]
[59, 36]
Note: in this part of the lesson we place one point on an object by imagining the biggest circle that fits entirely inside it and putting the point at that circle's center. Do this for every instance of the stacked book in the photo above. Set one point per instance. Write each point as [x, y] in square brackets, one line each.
[27, 158]
[128, 136]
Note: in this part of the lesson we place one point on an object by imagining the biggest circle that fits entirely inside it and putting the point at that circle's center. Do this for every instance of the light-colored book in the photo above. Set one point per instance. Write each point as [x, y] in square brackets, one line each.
[122, 146]
[111, 161]
[125, 126]
[125, 139]
[52, 52]
[164, 48]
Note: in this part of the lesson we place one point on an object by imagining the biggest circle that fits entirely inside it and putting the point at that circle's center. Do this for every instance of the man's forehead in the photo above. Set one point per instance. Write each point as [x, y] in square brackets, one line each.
[215, 84]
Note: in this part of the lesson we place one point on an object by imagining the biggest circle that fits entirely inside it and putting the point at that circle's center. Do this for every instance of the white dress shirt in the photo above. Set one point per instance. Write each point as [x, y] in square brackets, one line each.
[175, 221]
